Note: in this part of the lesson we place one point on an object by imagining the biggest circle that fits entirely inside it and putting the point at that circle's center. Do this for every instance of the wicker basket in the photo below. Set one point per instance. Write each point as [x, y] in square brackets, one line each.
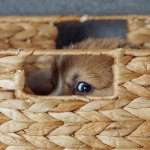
[29, 122]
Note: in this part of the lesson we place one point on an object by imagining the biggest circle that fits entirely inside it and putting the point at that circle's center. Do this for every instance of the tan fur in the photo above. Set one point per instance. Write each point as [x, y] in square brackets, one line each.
[94, 70]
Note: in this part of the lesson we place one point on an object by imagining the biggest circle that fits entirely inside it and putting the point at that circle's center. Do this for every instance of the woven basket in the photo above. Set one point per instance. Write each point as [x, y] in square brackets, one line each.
[29, 122]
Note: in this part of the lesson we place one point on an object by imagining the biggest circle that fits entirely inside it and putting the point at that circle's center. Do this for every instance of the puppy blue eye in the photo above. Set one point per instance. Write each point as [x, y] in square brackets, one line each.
[83, 88]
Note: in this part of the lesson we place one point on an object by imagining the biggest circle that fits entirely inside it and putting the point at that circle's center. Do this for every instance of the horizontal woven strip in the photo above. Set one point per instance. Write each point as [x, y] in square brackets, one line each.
[27, 35]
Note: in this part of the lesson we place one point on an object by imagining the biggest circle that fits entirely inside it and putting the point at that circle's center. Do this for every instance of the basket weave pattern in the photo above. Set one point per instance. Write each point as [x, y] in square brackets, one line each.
[36, 122]
[27, 35]
[29, 122]
[139, 31]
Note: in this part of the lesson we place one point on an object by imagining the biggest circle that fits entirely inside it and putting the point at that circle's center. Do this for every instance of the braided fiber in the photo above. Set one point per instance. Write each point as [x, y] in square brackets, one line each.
[139, 31]
[27, 35]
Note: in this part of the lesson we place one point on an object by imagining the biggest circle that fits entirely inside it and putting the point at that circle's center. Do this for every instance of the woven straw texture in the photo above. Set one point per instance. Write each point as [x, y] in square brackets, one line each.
[122, 121]
[27, 35]
[139, 31]
[72, 122]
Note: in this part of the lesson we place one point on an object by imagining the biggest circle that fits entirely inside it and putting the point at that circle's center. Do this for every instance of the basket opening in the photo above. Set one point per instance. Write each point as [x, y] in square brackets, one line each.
[43, 77]
[72, 32]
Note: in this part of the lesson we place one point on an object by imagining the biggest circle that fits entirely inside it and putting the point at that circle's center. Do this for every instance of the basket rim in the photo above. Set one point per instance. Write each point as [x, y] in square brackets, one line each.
[66, 18]
[55, 52]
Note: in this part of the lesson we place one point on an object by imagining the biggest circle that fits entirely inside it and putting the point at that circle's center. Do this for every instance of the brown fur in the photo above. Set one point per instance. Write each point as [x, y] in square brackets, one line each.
[94, 70]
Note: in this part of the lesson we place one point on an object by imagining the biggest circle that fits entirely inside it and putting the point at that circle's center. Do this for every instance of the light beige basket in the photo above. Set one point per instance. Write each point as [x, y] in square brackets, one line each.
[29, 122]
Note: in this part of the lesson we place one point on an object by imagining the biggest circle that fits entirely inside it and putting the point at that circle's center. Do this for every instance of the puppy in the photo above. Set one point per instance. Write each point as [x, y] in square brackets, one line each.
[79, 75]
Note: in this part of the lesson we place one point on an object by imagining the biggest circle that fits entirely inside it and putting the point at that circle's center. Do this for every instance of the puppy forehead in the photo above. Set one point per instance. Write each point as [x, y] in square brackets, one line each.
[83, 58]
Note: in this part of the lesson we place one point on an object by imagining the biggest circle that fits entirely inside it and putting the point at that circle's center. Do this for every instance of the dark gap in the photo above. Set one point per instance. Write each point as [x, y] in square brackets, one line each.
[73, 32]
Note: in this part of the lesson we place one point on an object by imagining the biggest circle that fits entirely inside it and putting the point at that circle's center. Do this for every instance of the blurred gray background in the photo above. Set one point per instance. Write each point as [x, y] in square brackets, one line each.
[95, 7]
[73, 32]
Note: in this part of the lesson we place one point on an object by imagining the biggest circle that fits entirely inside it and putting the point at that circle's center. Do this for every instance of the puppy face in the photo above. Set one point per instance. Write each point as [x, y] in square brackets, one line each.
[85, 75]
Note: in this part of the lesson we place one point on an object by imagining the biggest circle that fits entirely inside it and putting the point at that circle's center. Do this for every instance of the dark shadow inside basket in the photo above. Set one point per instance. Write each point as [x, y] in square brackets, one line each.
[42, 76]
[73, 32]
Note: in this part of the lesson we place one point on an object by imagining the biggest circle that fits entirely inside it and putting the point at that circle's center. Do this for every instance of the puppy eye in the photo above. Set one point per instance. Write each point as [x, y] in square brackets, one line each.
[83, 88]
